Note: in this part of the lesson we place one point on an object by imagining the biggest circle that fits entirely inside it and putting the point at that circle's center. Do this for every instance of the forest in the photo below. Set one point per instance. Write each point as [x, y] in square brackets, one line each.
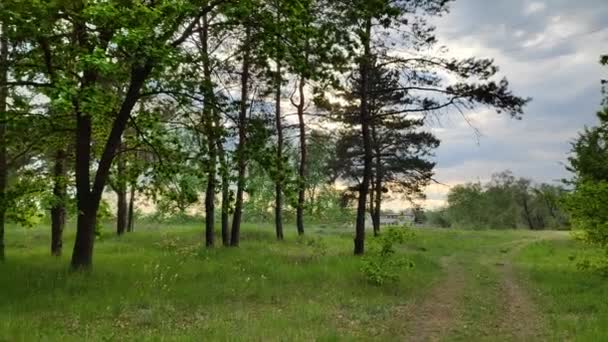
[138, 138]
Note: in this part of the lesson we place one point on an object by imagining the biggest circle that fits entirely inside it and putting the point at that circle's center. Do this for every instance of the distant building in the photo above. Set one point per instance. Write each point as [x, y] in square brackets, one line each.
[397, 219]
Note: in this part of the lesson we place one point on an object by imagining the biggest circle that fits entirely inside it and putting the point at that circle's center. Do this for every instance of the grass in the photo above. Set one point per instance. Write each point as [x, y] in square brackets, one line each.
[574, 300]
[160, 284]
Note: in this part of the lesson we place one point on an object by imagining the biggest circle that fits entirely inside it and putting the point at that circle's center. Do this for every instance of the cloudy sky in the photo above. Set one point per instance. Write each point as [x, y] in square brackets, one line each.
[549, 50]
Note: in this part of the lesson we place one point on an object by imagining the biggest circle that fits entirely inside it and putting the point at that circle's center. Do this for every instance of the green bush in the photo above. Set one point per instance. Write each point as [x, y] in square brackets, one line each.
[381, 264]
[588, 207]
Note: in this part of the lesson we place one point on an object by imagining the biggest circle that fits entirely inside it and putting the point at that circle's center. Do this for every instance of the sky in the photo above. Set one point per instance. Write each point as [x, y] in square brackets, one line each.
[549, 51]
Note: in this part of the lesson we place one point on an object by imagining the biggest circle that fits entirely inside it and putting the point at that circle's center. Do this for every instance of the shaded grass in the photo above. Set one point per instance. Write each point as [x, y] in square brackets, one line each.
[162, 285]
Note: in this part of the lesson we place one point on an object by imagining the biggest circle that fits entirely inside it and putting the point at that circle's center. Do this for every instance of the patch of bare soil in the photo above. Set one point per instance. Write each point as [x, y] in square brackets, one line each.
[431, 318]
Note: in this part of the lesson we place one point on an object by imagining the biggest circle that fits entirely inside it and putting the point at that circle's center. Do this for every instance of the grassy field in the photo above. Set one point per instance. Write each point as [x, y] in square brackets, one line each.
[159, 284]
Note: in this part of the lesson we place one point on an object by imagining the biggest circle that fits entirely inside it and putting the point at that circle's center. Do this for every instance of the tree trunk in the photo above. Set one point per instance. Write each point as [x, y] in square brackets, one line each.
[278, 209]
[372, 205]
[241, 149]
[225, 193]
[359, 240]
[303, 160]
[3, 141]
[82, 256]
[210, 206]
[121, 213]
[121, 195]
[88, 198]
[58, 211]
[527, 213]
[377, 183]
[377, 207]
[131, 217]
[210, 121]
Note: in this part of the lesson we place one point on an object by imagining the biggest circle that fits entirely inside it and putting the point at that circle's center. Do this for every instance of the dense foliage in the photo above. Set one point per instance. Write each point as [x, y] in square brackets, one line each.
[588, 203]
[506, 202]
[182, 102]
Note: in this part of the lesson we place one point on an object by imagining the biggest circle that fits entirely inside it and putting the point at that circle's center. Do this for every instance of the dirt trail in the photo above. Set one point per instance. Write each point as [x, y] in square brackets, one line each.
[520, 318]
[432, 318]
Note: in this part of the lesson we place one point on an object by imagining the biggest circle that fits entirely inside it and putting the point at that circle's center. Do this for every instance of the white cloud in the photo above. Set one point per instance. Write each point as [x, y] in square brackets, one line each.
[535, 7]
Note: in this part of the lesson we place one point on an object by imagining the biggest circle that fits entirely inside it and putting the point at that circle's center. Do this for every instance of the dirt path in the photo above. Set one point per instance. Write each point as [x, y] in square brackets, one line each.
[520, 318]
[432, 318]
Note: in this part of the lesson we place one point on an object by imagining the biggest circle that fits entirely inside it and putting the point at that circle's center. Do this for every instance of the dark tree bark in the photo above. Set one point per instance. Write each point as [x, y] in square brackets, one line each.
[278, 209]
[131, 217]
[527, 213]
[121, 195]
[377, 184]
[225, 194]
[3, 118]
[242, 145]
[303, 160]
[372, 203]
[210, 121]
[58, 210]
[364, 114]
[82, 256]
[87, 198]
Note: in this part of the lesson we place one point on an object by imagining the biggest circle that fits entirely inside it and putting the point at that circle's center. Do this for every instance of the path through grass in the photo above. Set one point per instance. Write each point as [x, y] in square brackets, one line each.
[161, 285]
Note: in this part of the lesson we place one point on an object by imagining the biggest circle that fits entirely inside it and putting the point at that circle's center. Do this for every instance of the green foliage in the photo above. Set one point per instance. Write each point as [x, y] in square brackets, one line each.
[23, 199]
[588, 206]
[588, 203]
[381, 264]
[506, 202]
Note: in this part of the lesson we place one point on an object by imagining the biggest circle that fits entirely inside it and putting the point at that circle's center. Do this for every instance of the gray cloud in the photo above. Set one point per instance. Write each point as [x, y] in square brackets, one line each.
[549, 50]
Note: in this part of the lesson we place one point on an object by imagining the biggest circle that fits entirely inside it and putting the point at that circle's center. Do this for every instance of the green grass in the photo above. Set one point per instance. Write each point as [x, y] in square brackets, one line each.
[574, 300]
[160, 284]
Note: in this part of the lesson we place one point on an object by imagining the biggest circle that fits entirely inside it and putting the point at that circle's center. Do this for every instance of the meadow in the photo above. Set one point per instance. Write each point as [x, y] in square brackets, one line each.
[160, 284]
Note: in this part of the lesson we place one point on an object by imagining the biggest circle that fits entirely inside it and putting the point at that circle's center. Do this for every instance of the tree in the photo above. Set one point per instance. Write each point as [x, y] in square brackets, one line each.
[119, 50]
[399, 147]
[506, 202]
[3, 140]
[422, 78]
[589, 163]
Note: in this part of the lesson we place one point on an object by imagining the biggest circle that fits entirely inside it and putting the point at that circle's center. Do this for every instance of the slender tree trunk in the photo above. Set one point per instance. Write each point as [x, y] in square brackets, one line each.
[225, 194]
[3, 141]
[377, 184]
[122, 213]
[359, 240]
[131, 218]
[121, 195]
[241, 149]
[303, 160]
[210, 202]
[528, 214]
[58, 211]
[372, 204]
[210, 121]
[278, 210]
[377, 207]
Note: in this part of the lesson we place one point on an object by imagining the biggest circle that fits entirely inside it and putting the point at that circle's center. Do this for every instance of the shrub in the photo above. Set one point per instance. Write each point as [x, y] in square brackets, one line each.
[381, 264]
[588, 207]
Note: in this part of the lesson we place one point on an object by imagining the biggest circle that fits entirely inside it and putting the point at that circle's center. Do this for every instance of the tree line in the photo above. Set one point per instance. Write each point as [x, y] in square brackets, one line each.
[505, 202]
[155, 96]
